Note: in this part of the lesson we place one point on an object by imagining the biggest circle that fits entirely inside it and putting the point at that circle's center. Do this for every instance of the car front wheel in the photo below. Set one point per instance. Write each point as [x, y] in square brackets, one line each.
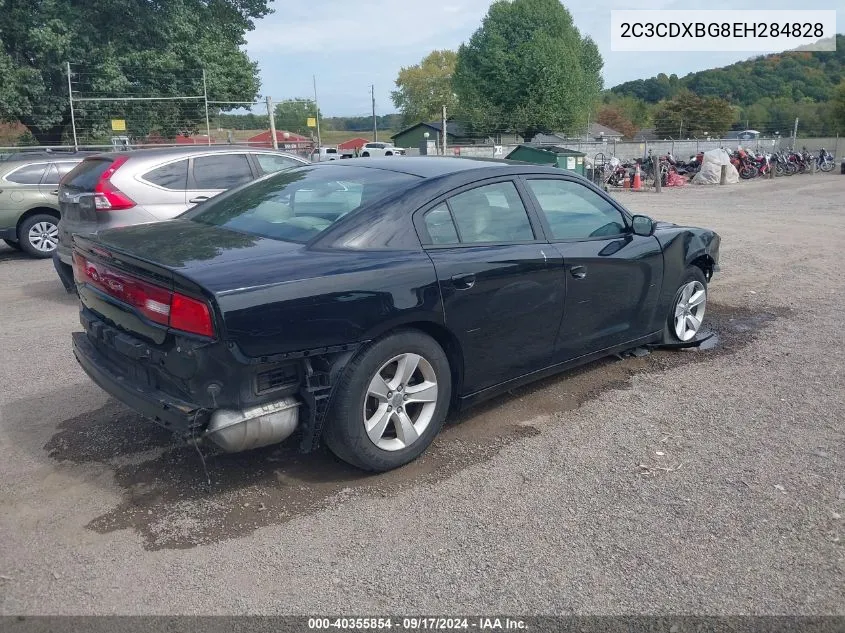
[687, 311]
[390, 403]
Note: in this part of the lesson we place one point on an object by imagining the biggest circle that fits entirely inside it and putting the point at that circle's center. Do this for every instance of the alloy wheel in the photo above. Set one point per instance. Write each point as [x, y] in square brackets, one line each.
[44, 236]
[400, 402]
[689, 310]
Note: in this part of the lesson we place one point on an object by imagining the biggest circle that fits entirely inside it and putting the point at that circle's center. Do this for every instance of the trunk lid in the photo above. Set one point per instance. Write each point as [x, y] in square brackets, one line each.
[177, 256]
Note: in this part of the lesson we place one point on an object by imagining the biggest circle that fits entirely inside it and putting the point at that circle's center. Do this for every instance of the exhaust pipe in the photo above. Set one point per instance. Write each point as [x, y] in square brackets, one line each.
[262, 425]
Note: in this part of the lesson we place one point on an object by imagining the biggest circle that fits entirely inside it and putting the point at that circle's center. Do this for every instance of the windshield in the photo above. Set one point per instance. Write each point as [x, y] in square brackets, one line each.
[297, 205]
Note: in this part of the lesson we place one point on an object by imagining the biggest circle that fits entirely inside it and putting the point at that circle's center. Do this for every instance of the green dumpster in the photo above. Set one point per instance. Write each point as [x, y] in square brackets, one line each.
[553, 155]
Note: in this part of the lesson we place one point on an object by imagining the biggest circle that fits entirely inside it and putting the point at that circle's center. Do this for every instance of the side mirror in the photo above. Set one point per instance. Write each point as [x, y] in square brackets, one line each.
[642, 225]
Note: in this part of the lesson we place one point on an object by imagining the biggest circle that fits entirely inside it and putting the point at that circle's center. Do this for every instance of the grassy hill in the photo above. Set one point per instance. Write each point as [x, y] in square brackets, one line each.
[767, 93]
[797, 76]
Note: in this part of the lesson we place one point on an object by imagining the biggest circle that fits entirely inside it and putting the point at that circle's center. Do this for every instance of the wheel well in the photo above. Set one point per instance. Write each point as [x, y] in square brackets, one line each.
[450, 345]
[37, 211]
[706, 264]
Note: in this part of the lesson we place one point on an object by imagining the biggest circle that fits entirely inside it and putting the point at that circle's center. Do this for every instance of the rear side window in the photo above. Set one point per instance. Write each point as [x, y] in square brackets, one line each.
[85, 176]
[441, 229]
[492, 213]
[271, 163]
[170, 176]
[223, 171]
[28, 174]
[57, 171]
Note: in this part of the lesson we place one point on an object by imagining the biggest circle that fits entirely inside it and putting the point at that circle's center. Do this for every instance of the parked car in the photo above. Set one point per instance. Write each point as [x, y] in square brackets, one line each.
[133, 187]
[323, 154]
[29, 204]
[380, 149]
[360, 301]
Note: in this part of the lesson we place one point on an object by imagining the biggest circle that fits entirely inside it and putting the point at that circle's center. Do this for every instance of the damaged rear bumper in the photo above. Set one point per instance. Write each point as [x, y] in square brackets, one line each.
[177, 415]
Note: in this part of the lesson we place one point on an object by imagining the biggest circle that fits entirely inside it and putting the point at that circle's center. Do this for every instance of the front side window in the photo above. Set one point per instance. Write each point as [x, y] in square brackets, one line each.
[298, 204]
[221, 171]
[575, 212]
[491, 213]
[28, 174]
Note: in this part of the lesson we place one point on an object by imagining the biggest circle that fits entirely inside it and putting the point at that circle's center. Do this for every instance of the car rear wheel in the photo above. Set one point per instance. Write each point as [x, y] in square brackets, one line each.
[687, 311]
[390, 403]
[38, 235]
[365, 155]
[13, 244]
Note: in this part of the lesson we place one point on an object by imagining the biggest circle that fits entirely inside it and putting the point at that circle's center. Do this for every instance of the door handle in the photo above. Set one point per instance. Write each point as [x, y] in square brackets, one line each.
[464, 281]
[198, 199]
[579, 272]
[55, 192]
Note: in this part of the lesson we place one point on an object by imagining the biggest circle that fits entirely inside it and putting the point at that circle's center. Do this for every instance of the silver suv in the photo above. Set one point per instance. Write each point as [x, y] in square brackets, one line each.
[139, 186]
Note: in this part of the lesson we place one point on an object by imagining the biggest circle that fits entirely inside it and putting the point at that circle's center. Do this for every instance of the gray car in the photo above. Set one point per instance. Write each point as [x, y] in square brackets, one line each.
[139, 186]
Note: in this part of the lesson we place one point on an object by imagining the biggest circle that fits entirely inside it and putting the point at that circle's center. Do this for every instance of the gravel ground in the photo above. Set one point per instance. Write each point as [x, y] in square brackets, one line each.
[706, 482]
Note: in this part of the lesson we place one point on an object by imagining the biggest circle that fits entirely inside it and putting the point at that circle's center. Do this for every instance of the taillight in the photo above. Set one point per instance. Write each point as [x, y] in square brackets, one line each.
[107, 197]
[190, 315]
[158, 304]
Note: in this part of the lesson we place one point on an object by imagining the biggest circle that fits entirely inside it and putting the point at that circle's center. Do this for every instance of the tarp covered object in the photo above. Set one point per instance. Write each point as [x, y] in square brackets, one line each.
[711, 168]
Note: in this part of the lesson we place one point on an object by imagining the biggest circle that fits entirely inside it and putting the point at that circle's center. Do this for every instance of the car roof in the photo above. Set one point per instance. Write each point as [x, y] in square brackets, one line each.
[42, 156]
[190, 150]
[437, 166]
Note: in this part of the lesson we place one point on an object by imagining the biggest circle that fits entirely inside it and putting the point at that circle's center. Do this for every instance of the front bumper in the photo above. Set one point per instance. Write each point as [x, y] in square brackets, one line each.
[9, 234]
[176, 415]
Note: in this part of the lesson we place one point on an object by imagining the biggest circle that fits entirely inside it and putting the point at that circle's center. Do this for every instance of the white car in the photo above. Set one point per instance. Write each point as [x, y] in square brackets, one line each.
[380, 149]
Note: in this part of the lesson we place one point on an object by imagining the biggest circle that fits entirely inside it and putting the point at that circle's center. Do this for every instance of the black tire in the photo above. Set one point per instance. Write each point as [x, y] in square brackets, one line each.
[13, 244]
[23, 234]
[365, 155]
[344, 432]
[388, 153]
[692, 273]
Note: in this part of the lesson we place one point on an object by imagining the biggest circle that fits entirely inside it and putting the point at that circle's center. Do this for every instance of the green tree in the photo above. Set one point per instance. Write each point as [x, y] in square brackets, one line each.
[292, 115]
[688, 115]
[423, 89]
[837, 110]
[120, 48]
[527, 69]
[614, 118]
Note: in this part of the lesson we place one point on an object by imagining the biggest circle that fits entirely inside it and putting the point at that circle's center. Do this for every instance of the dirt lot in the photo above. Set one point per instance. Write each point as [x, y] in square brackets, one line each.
[705, 482]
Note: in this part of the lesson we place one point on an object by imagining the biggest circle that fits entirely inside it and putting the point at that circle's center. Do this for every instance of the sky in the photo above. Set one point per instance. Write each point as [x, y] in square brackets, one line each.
[349, 45]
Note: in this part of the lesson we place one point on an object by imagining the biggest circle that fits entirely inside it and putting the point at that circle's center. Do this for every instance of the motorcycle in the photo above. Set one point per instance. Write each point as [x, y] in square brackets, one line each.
[744, 164]
[825, 160]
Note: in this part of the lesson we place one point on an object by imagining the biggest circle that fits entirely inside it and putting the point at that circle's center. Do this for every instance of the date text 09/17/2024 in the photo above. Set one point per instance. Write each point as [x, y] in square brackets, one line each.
[418, 623]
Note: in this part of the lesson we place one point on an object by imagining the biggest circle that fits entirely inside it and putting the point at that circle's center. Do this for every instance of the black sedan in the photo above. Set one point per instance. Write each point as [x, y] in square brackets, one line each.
[358, 302]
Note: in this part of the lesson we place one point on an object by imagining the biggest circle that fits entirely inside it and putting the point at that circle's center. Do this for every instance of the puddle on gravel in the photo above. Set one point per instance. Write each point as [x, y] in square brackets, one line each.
[168, 502]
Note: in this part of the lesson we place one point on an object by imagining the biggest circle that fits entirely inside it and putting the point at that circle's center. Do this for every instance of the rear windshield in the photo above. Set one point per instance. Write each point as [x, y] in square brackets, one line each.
[85, 176]
[298, 204]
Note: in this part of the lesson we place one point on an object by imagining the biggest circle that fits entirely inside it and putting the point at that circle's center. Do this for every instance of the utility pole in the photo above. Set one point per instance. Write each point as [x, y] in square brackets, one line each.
[272, 118]
[317, 108]
[795, 133]
[375, 125]
[205, 98]
[72, 118]
[681, 129]
[443, 125]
